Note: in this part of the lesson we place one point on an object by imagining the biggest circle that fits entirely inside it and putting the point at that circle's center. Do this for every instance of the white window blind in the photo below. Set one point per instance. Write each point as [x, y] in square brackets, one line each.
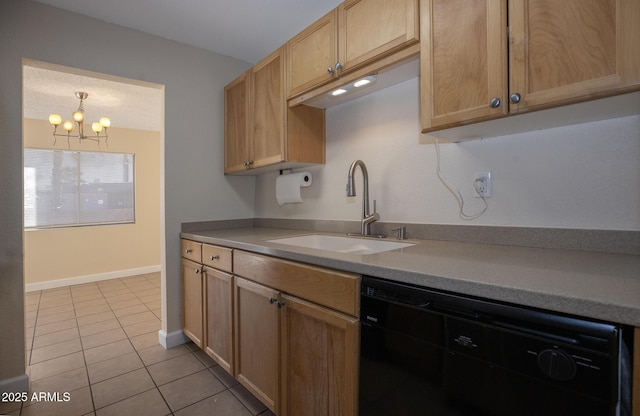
[75, 188]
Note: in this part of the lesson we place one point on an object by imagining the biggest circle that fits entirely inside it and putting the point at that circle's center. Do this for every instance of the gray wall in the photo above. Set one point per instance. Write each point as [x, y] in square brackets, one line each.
[195, 189]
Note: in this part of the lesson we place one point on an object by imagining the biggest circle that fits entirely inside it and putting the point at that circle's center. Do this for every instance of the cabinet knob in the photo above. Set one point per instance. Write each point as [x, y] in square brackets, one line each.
[280, 304]
[495, 102]
[515, 98]
[198, 271]
[248, 163]
[273, 300]
[215, 257]
[187, 251]
[329, 70]
[338, 66]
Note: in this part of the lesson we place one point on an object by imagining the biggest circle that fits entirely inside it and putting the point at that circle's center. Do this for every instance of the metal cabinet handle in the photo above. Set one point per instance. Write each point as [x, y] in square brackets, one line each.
[338, 66]
[515, 98]
[273, 300]
[248, 163]
[215, 257]
[330, 70]
[198, 271]
[187, 251]
[495, 102]
[280, 304]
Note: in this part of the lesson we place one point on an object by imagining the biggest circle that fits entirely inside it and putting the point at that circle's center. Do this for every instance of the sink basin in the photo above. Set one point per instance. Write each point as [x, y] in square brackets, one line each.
[338, 244]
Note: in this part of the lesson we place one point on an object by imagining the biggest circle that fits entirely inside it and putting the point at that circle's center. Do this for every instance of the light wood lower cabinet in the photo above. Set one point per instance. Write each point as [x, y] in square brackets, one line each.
[257, 340]
[218, 342]
[319, 360]
[297, 354]
[207, 299]
[192, 301]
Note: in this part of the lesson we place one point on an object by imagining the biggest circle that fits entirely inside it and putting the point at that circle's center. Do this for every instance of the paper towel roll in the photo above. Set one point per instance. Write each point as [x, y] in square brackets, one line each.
[288, 187]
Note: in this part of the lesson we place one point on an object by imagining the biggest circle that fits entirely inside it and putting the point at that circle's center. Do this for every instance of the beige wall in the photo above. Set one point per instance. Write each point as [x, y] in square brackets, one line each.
[100, 251]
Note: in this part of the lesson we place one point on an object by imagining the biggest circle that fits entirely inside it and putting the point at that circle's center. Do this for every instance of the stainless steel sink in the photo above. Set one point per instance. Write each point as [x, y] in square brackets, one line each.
[338, 244]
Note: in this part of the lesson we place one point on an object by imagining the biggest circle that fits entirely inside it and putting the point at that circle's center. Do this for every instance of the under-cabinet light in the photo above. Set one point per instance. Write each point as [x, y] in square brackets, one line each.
[368, 80]
[337, 92]
[364, 81]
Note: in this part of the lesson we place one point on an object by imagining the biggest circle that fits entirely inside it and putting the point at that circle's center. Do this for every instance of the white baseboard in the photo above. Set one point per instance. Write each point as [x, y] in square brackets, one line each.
[17, 384]
[51, 284]
[172, 339]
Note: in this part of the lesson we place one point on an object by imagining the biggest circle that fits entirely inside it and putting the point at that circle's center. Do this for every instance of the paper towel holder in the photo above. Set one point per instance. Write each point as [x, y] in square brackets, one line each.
[306, 178]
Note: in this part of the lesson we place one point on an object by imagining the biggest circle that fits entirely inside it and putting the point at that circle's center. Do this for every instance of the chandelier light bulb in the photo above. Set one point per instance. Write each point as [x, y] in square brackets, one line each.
[78, 116]
[96, 127]
[67, 125]
[106, 123]
[55, 119]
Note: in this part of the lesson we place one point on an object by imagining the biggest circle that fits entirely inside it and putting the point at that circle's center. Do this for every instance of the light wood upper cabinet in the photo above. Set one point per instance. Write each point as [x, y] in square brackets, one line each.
[274, 135]
[268, 111]
[237, 118]
[319, 359]
[368, 29]
[257, 340]
[571, 50]
[349, 37]
[312, 55]
[463, 61]
[559, 52]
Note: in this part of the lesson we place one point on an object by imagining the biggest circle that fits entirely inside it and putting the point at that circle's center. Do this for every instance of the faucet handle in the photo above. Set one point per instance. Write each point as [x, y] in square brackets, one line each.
[374, 214]
[402, 232]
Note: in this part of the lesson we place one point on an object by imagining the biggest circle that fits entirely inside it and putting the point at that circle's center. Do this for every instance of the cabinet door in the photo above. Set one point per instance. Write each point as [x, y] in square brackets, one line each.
[311, 53]
[257, 336]
[320, 353]
[370, 29]
[572, 50]
[268, 111]
[192, 301]
[463, 68]
[219, 321]
[237, 146]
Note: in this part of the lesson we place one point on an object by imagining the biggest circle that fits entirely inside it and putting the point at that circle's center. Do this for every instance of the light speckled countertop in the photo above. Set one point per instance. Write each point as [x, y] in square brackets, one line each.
[590, 284]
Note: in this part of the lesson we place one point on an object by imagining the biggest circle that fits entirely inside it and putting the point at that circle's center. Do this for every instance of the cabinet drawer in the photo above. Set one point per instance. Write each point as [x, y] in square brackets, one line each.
[334, 289]
[217, 257]
[191, 250]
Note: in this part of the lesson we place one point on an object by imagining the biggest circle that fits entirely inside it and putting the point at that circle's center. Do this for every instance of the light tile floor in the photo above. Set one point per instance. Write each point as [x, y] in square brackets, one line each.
[93, 350]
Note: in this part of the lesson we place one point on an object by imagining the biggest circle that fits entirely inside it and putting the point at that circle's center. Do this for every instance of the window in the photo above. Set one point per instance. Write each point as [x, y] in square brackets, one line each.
[75, 188]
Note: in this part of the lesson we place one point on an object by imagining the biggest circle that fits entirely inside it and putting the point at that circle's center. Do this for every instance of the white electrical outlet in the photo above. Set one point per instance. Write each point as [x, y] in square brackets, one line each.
[482, 184]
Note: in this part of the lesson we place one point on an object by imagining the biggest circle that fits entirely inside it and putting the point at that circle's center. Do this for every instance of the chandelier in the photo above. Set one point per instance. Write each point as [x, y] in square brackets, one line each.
[78, 117]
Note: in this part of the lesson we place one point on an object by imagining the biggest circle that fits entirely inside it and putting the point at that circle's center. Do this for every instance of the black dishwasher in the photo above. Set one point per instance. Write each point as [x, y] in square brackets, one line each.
[430, 353]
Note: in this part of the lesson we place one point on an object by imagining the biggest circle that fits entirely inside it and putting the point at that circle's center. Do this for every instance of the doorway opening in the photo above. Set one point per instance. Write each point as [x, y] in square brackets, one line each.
[65, 256]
